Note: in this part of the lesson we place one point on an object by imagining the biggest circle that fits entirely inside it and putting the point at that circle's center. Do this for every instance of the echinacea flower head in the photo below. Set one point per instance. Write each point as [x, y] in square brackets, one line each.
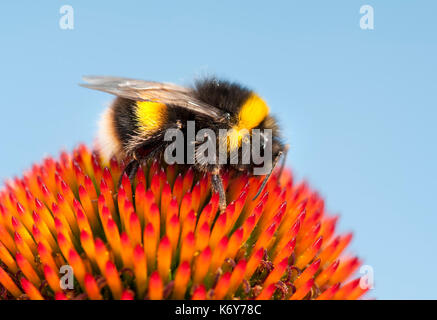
[161, 236]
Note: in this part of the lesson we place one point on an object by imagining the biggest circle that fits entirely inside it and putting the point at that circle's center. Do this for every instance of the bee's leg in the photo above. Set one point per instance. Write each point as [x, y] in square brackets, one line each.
[266, 179]
[131, 171]
[217, 185]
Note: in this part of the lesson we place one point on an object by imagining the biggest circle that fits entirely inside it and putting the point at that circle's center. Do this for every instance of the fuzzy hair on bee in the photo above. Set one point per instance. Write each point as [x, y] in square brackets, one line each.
[135, 125]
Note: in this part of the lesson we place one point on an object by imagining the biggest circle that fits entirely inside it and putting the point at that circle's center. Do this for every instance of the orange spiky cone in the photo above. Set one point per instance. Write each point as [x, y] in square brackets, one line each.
[161, 236]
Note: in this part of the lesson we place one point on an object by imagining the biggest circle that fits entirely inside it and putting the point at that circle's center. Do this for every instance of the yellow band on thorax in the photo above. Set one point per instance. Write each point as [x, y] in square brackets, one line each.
[251, 114]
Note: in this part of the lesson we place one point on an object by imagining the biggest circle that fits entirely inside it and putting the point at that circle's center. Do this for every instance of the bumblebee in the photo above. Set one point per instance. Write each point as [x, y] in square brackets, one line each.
[134, 126]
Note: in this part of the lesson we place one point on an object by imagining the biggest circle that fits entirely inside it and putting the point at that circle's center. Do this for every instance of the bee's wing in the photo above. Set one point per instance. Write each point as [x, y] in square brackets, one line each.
[141, 90]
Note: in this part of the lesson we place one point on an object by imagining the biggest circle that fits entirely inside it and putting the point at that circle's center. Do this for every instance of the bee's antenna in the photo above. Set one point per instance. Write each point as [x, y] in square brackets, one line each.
[266, 179]
[284, 159]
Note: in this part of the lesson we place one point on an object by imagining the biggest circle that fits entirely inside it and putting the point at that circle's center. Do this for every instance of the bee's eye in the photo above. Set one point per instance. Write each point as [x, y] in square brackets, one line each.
[227, 116]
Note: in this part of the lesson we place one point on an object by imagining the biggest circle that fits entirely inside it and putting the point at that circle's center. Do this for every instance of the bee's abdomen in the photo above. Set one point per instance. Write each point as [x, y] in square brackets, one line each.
[125, 119]
[108, 139]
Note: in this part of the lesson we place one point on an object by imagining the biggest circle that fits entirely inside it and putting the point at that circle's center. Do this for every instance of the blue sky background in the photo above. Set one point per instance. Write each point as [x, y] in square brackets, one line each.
[358, 108]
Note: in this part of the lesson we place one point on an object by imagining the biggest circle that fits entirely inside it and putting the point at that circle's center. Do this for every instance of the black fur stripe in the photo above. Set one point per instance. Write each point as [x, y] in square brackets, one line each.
[125, 114]
[221, 94]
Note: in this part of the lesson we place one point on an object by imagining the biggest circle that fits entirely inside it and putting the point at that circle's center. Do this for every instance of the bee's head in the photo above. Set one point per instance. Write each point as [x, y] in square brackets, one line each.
[246, 114]
[248, 122]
